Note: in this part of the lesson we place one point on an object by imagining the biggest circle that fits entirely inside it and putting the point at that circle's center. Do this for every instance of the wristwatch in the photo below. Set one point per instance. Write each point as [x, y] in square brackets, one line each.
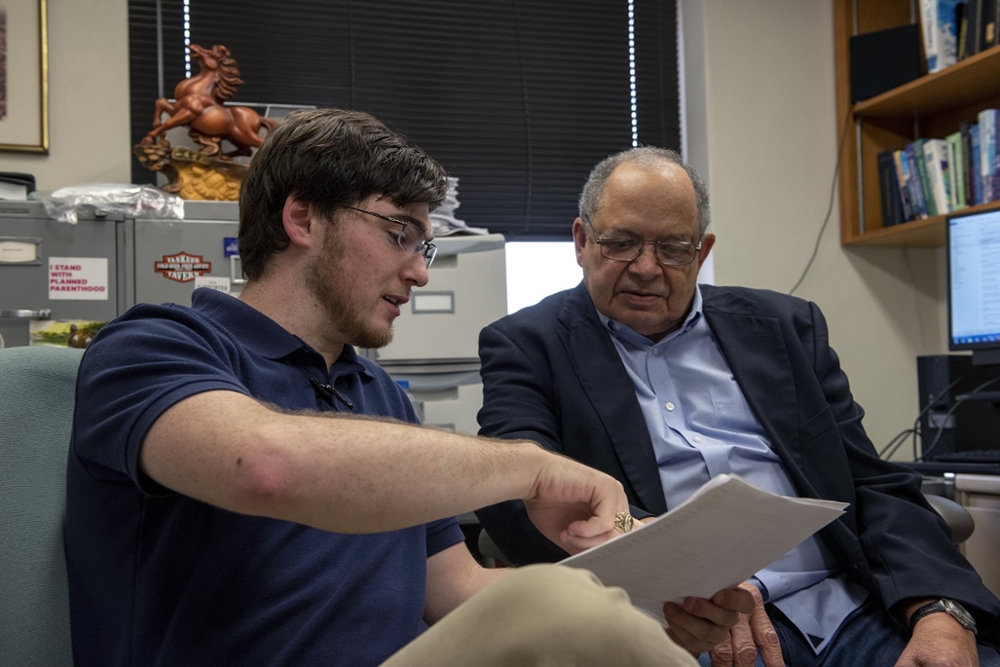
[950, 607]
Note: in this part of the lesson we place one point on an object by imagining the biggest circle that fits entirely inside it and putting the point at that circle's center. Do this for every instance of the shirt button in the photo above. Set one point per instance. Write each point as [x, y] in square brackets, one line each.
[669, 407]
[656, 352]
[697, 438]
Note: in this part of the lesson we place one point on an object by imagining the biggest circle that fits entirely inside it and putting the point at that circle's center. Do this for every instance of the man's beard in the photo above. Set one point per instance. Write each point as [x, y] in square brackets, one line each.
[331, 287]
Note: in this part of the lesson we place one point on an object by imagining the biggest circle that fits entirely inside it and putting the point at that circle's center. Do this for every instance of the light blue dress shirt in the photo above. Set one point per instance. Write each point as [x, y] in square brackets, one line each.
[701, 426]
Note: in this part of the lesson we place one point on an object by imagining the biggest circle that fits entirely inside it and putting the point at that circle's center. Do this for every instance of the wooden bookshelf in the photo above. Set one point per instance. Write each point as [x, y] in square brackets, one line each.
[932, 106]
[967, 83]
[929, 233]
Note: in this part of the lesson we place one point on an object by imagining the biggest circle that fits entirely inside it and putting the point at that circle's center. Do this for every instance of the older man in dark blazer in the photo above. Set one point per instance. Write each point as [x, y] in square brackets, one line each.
[662, 383]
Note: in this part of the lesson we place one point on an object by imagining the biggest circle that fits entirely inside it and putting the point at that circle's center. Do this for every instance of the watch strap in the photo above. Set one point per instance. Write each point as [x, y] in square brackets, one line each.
[950, 607]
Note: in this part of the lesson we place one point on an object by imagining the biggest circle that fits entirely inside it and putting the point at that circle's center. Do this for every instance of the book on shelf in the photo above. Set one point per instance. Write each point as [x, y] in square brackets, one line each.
[987, 152]
[963, 25]
[908, 212]
[948, 16]
[892, 211]
[930, 206]
[939, 29]
[988, 24]
[913, 182]
[956, 172]
[977, 182]
[936, 165]
[965, 128]
[973, 19]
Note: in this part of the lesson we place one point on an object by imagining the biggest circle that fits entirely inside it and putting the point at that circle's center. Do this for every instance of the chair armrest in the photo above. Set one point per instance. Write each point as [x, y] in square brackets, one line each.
[956, 516]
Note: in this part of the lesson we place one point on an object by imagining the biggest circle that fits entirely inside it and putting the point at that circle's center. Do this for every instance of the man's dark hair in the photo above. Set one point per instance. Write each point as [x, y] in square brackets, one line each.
[330, 158]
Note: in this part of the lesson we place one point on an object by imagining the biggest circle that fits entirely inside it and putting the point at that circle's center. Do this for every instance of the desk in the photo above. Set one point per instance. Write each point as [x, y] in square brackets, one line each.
[980, 494]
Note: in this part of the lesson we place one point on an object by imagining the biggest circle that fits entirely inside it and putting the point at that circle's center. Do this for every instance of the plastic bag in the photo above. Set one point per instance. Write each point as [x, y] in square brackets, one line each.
[65, 204]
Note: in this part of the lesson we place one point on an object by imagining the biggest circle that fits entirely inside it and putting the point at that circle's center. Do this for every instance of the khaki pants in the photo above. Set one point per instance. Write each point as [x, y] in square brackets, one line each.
[545, 616]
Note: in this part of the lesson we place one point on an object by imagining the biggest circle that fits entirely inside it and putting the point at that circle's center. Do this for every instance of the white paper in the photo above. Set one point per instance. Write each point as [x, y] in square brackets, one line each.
[719, 537]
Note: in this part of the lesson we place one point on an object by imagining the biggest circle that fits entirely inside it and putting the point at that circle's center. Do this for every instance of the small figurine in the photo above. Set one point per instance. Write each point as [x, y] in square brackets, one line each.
[200, 105]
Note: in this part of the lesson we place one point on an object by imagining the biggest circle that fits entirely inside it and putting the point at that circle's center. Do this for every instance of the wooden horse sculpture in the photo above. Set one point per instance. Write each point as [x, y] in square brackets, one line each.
[199, 103]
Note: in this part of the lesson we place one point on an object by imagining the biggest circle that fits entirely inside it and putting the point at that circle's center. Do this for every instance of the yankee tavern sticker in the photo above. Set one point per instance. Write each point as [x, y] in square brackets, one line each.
[183, 267]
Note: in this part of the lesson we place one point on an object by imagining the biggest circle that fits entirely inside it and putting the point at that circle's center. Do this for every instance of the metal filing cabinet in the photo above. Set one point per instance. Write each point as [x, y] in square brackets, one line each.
[170, 258]
[434, 354]
[53, 271]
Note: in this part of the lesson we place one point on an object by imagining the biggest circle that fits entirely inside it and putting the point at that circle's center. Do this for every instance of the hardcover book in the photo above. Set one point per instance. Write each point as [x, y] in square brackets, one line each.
[889, 190]
[899, 159]
[977, 182]
[913, 182]
[987, 151]
[973, 16]
[956, 171]
[936, 161]
[927, 193]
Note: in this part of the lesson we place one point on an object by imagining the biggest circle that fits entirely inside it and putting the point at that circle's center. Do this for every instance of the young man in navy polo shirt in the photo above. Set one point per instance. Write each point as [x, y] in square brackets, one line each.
[244, 489]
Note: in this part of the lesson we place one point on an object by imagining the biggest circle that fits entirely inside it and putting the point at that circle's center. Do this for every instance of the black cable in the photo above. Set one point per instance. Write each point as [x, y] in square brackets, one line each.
[915, 429]
[931, 404]
[829, 210]
[895, 443]
[950, 412]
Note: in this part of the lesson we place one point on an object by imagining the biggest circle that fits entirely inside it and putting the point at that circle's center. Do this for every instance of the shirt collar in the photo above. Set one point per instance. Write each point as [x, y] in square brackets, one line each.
[258, 332]
[626, 333]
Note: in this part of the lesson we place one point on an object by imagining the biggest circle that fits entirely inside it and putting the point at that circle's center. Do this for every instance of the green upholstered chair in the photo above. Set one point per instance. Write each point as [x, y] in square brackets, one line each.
[37, 391]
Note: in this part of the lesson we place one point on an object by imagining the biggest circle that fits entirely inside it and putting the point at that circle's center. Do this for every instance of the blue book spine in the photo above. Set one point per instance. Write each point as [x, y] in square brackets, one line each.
[977, 182]
[987, 151]
[947, 33]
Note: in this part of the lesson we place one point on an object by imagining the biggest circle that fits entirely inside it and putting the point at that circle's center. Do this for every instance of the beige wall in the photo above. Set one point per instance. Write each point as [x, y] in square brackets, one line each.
[765, 118]
[88, 97]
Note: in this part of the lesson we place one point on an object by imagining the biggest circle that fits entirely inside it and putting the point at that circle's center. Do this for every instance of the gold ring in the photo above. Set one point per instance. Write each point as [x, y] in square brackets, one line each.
[624, 522]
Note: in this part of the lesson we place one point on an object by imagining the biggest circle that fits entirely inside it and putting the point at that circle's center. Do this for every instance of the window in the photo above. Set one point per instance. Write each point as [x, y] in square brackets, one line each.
[517, 99]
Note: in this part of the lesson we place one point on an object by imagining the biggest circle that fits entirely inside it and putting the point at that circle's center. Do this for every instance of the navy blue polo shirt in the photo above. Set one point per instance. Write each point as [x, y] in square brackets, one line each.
[157, 578]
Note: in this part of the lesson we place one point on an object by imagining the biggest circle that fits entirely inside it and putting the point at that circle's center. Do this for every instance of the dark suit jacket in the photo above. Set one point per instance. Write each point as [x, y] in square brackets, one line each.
[552, 375]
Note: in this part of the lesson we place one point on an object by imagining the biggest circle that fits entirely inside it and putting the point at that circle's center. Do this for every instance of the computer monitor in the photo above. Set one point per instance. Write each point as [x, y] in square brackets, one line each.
[973, 241]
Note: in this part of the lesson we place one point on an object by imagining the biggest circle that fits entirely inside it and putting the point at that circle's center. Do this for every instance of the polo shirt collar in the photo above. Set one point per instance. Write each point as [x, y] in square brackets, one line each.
[258, 332]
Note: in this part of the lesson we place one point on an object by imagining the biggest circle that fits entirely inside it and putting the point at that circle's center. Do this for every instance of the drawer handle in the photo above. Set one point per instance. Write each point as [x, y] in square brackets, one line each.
[26, 314]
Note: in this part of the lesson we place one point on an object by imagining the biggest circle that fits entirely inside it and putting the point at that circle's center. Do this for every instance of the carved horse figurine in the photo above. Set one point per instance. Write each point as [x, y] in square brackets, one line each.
[199, 103]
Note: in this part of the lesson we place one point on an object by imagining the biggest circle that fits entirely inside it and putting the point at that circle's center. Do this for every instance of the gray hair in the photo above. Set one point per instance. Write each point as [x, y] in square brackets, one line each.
[646, 156]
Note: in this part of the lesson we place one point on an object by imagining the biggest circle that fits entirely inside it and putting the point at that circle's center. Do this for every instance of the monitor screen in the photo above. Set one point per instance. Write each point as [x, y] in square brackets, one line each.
[974, 281]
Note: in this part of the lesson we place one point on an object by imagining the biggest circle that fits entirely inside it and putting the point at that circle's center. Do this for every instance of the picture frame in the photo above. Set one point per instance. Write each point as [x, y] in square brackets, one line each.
[24, 76]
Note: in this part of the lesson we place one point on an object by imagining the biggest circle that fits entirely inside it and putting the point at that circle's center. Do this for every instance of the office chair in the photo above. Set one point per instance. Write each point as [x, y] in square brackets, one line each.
[956, 516]
[37, 391]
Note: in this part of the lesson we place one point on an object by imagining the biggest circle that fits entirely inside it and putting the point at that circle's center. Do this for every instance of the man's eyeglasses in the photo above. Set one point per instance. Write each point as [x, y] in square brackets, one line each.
[668, 253]
[410, 236]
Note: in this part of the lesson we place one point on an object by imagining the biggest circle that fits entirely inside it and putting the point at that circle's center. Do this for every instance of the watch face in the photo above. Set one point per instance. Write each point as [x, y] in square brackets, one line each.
[959, 613]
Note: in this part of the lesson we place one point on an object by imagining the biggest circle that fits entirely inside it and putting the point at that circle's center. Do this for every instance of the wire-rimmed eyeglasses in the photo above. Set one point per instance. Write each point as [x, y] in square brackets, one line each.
[626, 249]
[410, 237]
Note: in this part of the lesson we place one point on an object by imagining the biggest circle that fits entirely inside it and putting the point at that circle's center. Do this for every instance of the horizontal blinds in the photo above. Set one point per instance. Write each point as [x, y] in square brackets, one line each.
[517, 99]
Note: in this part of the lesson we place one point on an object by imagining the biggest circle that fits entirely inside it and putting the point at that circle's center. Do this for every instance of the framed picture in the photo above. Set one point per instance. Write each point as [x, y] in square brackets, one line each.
[24, 76]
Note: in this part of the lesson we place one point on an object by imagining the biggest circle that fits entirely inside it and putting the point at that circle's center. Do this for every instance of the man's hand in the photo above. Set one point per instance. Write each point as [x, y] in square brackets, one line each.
[573, 505]
[938, 640]
[698, 624]
[733, 627]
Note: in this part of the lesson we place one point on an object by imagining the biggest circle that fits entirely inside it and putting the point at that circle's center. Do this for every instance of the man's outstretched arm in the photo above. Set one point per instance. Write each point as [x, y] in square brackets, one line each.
[356, 475]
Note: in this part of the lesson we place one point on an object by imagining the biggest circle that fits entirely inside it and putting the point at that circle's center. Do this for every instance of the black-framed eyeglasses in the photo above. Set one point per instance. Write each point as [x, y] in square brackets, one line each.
[410, 237]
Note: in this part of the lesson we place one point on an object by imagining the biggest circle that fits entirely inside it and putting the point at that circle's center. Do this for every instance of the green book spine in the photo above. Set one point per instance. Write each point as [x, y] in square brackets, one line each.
[925, 184]
[956, 164]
